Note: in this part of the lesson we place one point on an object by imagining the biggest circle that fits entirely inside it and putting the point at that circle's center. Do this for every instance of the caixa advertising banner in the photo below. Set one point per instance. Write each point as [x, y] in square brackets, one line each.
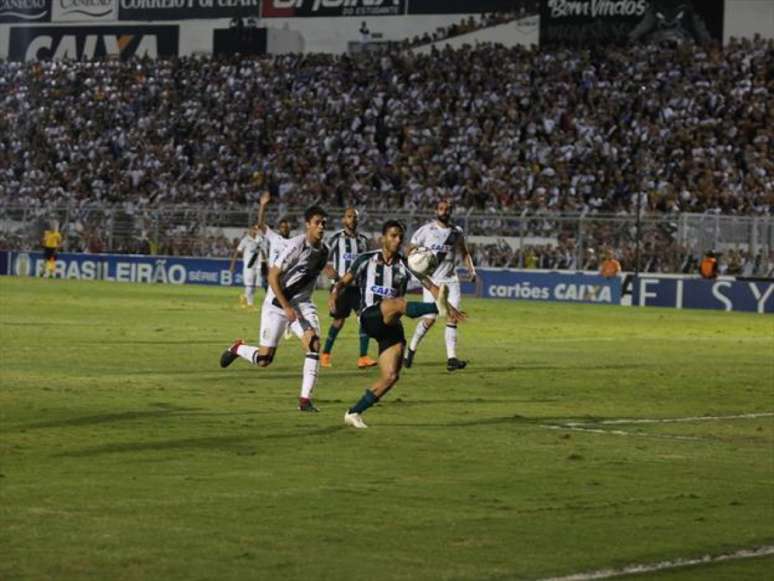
[25, 11]
[89, 42]
[306, 8]
[624, 22]
[150, 10]
[549, 286]
[127, 268]
[84, 10]
[693, 293]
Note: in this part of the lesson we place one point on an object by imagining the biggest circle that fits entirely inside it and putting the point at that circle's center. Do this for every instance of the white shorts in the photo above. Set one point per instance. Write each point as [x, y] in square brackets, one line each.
[251, 277]
[274, 321]
[455, 295]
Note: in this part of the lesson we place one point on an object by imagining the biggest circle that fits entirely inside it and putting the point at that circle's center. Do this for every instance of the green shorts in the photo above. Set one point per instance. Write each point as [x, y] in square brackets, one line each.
[385, 335]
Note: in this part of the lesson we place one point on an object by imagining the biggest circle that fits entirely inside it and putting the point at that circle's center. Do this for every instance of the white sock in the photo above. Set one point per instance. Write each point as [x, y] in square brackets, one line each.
[311, 371]
[250, 294]
[419, 332]
[451, 341]
[247, 352]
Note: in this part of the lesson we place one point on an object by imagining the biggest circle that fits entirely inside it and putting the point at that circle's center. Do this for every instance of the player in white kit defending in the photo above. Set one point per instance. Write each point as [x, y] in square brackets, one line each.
[250, 247]
[288, 304]
[275, 240]
[447, 242]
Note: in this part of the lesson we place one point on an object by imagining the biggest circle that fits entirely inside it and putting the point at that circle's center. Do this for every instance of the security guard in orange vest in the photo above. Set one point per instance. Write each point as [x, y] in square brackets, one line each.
[708, 268]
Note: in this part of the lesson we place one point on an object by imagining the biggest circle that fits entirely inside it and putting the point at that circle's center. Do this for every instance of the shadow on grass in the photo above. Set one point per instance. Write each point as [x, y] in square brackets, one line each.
[235, 444]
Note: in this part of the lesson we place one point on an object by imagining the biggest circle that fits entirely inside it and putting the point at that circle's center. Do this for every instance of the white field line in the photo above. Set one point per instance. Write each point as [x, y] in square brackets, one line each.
[672, 420]
[568, 428]
[594, 427]
[665, 565]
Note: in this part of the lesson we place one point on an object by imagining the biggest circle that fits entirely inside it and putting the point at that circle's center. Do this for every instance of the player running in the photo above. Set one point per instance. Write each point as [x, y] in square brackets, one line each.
[447, 242]
[250, 248]
[345, 245]
[288, 304]
[382, 276]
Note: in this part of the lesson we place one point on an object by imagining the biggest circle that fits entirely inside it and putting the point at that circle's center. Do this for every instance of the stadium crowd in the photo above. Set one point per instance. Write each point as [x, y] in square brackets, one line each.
[501, 130]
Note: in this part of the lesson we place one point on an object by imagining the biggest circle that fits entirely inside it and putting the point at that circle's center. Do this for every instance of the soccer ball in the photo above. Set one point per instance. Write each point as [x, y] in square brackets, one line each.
[421, 260]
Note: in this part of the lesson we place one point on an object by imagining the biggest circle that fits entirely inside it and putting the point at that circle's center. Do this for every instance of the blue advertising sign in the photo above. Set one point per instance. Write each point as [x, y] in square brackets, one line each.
[685, 293]
[128, 268]
[550, 286]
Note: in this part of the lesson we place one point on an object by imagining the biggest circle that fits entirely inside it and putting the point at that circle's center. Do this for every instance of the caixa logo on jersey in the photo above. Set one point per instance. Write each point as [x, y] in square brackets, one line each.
[25, 10]
[84, 10]
[289, 8]
[89, 42]
[383, 291]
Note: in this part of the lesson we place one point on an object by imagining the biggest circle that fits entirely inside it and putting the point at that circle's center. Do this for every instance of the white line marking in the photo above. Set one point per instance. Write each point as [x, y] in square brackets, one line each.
[664, 565]
[672, 420]
[594, 427]
[569, 428]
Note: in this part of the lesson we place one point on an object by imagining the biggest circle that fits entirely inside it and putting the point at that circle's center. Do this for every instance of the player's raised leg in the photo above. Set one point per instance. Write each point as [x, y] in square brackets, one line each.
[273, 325]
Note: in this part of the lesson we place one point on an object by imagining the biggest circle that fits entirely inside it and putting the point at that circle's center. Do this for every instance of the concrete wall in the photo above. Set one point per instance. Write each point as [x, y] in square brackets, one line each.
[746, 18]
[525, 32]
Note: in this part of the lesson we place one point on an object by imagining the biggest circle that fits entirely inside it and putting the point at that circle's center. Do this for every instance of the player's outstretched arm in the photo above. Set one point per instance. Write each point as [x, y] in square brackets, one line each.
[234, 255]
[276, 286]
[265, 199]
[468, 260]
[343, 282]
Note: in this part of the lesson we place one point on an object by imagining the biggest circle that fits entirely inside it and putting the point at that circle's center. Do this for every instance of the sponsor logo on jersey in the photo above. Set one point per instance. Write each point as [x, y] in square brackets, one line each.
[383, 291]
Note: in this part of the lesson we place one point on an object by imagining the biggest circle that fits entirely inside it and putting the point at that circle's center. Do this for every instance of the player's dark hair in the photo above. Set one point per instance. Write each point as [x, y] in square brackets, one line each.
[393, 224]
[285, 219]
[314, 211]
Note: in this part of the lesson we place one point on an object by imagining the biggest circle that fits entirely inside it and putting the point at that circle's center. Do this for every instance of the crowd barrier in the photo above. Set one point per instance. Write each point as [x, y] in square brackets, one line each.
[649, 290]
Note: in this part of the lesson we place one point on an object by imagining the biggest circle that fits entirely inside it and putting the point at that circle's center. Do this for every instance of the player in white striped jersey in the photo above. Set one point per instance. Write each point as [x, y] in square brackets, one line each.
[382, 277]
[345, 245]
[275, 241]
[288, 303]
[250, 247]
[447, 242]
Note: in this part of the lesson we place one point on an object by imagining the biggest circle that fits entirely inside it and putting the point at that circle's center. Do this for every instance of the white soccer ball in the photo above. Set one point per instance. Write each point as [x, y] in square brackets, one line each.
[421, 260]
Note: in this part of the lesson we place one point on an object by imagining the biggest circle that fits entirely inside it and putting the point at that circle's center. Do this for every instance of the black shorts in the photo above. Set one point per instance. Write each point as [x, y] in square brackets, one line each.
[49, 253]
[348, 301]
[385, 335]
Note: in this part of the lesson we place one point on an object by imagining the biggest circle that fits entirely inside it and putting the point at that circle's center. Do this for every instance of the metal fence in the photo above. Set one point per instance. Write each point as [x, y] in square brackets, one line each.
[669, 243]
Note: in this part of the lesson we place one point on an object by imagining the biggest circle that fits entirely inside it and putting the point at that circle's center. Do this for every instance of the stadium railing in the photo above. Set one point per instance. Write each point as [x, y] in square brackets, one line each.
[667, 242]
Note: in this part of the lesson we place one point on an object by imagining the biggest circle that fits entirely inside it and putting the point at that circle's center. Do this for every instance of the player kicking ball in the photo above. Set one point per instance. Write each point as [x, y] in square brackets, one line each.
[288, 304]
[382, 277]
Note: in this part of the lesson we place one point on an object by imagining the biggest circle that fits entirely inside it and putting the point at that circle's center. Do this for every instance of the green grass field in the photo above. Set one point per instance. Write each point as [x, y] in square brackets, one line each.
[127, 453]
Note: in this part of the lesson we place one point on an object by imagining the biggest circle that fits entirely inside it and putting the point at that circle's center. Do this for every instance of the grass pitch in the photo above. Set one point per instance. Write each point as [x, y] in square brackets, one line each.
[127, 453]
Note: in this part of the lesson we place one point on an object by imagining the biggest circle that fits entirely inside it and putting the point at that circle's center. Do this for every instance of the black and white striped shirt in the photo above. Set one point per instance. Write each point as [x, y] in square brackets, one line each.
[378, 280]
[300, 264]
[345, 248]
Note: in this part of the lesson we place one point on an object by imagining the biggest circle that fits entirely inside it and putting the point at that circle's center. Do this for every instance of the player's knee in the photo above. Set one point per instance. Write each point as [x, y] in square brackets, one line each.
[313, 343]
[428, 321]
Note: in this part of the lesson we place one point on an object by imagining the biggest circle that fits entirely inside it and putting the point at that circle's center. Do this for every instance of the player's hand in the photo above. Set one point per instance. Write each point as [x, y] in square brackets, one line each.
[471, 276]
[291, 314]
[265, 198]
